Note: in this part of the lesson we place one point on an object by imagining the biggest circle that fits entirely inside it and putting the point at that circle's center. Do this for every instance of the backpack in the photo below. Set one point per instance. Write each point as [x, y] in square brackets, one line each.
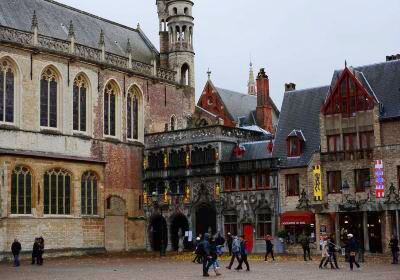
[236, 246]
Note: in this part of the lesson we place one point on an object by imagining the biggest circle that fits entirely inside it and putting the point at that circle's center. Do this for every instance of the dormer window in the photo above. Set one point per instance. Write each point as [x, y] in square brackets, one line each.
[294, 143]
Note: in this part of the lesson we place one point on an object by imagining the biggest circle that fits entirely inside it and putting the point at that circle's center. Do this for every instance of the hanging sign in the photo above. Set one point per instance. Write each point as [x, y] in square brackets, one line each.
[317, 183]
[379, 179]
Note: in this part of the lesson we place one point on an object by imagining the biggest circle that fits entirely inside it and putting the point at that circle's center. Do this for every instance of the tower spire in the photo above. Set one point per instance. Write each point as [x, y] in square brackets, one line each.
[251, 85]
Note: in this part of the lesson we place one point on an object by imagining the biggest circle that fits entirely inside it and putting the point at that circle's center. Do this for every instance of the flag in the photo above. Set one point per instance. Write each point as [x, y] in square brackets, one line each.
[379, 179]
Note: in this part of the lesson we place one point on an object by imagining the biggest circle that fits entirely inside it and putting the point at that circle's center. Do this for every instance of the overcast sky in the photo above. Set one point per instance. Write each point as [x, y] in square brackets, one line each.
[300, 41]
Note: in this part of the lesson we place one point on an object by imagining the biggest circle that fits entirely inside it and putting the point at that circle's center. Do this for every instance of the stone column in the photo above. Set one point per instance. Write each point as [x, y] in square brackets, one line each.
[169, 244]
[317, 230]
[365, 232]
[386, 231]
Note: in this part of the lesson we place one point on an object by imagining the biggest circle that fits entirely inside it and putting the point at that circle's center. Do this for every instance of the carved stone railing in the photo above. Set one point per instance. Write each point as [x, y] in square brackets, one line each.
[15, 36]
[53, 44]
[87, 52]
[25, 38]
[166, 74]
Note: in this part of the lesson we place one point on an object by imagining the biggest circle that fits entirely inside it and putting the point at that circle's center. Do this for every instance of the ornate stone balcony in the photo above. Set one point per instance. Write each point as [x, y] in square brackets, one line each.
[200, 135]
[80, 52]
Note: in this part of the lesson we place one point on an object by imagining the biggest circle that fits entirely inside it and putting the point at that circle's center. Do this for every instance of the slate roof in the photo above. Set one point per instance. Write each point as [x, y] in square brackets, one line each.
[381, 80]
[242, 106]
[254, 151]
[300, 111]
[54, 19]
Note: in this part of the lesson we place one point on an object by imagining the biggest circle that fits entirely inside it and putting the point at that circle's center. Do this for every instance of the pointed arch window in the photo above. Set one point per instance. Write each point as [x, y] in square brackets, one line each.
[185, 75]
[89, 194]
[132, 112]
[80, 90]
[21, 191]
[48, 98]
[7, 94]
[110, 109]
[57, 192]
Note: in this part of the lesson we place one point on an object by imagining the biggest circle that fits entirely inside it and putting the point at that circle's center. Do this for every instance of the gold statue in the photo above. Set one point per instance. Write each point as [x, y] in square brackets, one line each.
[145, 198]
[187, 194]
[217, 190]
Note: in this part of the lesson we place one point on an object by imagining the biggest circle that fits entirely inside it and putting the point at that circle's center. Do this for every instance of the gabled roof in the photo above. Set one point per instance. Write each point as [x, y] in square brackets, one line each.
[241, 106]
[382, 81]
[297, 133]
[300, 111]
[54, 20]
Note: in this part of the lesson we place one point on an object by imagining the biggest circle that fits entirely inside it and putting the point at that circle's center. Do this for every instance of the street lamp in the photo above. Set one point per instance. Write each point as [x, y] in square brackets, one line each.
[157, 203]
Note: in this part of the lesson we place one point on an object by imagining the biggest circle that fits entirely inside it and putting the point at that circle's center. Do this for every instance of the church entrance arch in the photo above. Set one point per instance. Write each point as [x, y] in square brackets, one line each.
[206, 219]
[158, 232]
[179, 225]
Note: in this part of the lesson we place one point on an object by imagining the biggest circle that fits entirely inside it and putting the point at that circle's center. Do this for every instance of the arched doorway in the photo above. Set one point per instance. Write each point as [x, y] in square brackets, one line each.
[206, 219]
[158, 232]
[178, 223]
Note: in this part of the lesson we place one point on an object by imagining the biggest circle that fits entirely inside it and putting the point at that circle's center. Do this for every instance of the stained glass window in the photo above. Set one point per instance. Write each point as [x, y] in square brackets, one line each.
[89, 194]
[132, 113]
[57, 192]
[21, 191]
[79, 103]
[48, 99]
[110, 109]
[7, 87]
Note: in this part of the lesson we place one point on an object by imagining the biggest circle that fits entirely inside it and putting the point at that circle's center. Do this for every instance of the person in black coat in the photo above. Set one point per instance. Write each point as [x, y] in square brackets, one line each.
[332, 248]
[269, 248]
[394, 247]
[16, 250]
[35, 251]
[352, 247]
[41, 251]
[229, 241]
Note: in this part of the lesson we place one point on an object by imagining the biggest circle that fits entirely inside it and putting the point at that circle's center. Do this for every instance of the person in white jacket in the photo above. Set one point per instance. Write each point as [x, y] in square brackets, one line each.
[325, 253]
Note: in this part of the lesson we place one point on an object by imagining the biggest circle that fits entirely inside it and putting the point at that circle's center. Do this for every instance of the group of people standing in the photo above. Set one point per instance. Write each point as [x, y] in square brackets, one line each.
[37, 251]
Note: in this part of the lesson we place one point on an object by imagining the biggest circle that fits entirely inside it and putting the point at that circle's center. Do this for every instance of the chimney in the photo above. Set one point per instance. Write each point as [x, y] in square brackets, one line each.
[264, 109]
[393, 57]
[290, 87]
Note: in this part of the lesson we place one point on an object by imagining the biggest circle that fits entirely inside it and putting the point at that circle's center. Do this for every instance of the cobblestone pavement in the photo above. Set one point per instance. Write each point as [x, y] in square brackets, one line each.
[110, 268]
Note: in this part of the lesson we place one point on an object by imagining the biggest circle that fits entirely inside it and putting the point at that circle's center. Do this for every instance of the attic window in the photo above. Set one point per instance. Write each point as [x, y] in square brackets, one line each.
[210, 100]
[294, 143]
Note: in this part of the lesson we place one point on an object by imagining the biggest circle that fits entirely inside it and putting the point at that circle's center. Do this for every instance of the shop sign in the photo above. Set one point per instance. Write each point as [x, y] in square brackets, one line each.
[379, 179]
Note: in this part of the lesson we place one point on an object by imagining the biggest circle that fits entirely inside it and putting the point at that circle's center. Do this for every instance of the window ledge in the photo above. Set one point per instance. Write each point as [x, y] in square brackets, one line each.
[8, 126]
[50, 131]
[112, 139]
[53, 216]
[21, 216]
[81, 135]
[294, 157]
[91, 217]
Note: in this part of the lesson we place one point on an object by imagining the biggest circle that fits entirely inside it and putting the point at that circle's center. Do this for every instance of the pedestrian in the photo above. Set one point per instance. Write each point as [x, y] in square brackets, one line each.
[394, 248]
[235, 251]
[325, 254]
[205, 252]
[219, 240]
[197, 257]
[305, 244]
[35, 251]
[229, 241]
[16, 250]
[243, 255]
[352, 247]
[214, 256]
[41, 251]
[269, 248]
[332, 249]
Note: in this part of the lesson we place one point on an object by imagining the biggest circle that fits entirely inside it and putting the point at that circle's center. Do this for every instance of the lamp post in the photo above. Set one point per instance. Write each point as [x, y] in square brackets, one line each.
[157, 203]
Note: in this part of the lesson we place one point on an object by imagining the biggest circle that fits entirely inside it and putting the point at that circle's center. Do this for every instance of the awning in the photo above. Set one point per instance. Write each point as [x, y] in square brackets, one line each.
[298, 218]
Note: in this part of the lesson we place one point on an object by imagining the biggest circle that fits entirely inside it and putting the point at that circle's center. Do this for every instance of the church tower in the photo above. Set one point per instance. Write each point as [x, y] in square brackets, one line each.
[251, 85]
[176, 38]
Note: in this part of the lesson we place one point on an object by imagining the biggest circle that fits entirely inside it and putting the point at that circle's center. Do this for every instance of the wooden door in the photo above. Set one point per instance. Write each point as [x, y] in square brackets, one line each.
[248, 236]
